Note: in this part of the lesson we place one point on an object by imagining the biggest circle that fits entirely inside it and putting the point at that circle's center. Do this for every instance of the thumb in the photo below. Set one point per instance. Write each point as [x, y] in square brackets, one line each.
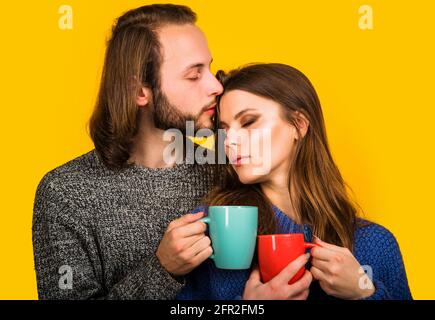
[255, 275]
[291, 269]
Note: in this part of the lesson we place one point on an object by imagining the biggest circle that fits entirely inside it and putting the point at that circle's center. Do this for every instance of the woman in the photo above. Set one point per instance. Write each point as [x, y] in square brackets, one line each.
[301, 191]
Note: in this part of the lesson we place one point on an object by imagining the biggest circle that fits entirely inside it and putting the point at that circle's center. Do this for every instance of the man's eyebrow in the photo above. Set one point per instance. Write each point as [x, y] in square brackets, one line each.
[197, 65]
[238, 115]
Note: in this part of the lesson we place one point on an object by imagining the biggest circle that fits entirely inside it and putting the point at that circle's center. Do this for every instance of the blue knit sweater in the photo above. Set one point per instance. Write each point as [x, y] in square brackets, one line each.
[374, 246]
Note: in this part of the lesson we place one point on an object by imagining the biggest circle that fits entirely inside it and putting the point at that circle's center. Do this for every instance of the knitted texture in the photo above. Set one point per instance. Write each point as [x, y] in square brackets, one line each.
[96, 231]
[374, 246]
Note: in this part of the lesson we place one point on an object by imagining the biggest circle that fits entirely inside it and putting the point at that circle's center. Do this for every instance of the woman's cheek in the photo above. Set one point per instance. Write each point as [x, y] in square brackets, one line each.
[282, 144]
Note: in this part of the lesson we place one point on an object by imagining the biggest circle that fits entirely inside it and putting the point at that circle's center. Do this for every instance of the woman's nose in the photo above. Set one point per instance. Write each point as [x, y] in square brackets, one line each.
[231, 138]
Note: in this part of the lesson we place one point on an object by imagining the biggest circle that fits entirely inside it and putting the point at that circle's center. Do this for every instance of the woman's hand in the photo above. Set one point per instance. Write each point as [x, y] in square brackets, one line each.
[339, 273]
[278, 287]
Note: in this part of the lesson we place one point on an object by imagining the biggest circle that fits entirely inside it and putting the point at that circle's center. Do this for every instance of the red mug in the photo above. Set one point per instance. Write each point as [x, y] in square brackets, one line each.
[276, 251]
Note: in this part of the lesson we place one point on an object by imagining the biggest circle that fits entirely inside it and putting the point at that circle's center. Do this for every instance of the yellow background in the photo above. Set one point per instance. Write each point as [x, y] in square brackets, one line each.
[376, 88]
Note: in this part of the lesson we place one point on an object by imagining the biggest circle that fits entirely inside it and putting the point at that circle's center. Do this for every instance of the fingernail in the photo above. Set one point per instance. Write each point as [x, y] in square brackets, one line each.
[317, 237]
[307, 256]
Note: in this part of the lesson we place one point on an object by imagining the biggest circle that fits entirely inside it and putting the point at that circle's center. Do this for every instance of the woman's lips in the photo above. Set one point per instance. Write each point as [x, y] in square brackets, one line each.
[238, 161]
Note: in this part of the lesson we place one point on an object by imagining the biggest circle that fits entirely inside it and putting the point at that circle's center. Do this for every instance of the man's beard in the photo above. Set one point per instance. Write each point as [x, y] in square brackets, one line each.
[168, 116]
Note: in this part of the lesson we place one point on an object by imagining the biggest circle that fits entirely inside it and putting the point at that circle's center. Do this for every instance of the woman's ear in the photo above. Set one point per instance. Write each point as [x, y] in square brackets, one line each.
[143, 96]
[302, 123]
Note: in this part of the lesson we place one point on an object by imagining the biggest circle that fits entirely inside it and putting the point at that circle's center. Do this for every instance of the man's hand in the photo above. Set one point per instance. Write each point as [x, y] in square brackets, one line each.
[184, 245]
[278, 287]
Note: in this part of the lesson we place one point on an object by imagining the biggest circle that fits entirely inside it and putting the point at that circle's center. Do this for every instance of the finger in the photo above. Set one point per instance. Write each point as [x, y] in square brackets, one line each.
[322, 265]
[318, 274]
[324, 254]
[327, 245]
[193, 228]
[302, 284]
[326, 287]
[186, 219]
[198, 247]
[189, 241]
[301, 296]
[290, 270]
[202, 256]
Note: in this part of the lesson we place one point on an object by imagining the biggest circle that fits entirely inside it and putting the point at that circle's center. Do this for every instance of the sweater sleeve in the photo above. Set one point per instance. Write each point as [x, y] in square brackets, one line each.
[65, 266]
[389, 275]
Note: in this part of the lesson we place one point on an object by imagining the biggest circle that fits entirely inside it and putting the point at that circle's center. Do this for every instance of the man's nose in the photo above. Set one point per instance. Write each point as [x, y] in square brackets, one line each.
[216, 87]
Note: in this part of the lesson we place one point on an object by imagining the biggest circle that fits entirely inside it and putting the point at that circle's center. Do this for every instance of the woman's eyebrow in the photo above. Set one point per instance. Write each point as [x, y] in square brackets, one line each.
[222, 124]
[238, 115]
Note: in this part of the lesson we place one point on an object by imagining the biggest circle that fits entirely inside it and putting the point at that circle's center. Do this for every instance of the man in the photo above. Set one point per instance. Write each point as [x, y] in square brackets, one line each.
[100, 226]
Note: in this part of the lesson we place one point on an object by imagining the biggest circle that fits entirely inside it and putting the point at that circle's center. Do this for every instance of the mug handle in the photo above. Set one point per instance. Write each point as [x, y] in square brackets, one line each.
[206, 220]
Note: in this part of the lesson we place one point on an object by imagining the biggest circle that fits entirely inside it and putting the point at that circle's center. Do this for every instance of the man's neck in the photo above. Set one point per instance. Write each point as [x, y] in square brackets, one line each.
[149, 145]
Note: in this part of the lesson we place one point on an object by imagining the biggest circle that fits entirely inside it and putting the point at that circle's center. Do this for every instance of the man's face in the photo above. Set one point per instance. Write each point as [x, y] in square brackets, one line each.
[188, 89]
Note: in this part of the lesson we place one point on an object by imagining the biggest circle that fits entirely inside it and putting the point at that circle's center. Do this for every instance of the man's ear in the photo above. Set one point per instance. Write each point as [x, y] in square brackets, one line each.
[302, 123]
[143, 96]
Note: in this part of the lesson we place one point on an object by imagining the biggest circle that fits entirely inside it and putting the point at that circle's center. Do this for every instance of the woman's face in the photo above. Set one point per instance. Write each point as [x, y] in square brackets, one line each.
[259, 141]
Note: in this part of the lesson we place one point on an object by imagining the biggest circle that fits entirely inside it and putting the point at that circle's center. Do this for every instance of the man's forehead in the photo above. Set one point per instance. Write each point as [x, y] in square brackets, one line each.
[185, 45]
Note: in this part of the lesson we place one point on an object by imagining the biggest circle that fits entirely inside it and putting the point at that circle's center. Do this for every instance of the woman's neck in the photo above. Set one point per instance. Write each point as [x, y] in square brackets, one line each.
[278, 194]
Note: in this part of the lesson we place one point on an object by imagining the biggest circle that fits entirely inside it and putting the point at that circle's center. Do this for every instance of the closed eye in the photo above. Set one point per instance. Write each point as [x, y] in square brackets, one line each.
[248, 123]
[194, 78]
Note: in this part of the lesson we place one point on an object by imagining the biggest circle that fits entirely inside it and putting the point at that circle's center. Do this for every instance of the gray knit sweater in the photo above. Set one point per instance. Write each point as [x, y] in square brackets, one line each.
[96, 231]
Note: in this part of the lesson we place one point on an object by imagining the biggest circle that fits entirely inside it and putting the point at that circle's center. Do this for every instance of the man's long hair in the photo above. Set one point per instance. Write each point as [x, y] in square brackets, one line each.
[133, 59]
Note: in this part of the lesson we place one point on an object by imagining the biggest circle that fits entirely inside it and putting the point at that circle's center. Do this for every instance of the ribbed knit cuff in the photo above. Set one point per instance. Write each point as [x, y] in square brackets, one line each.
[156, 282]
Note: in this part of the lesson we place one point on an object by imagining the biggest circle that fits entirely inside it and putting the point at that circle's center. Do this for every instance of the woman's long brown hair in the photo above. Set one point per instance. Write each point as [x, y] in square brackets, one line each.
[317, 191]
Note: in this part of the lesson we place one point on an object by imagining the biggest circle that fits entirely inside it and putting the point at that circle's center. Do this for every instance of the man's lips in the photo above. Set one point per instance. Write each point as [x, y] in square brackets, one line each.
[211, 110]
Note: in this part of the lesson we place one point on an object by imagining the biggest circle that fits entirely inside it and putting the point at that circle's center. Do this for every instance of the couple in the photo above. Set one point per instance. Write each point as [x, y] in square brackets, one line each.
[112, 223]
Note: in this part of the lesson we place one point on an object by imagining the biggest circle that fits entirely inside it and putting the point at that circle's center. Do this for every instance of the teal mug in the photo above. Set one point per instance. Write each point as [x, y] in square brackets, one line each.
[233, 234]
